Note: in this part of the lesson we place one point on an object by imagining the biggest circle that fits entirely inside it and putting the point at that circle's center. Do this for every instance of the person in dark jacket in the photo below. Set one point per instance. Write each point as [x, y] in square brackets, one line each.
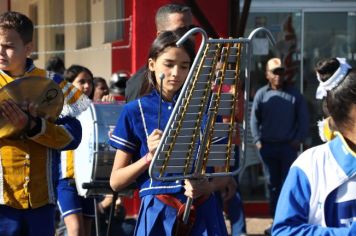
[168, 18]
[279, 125]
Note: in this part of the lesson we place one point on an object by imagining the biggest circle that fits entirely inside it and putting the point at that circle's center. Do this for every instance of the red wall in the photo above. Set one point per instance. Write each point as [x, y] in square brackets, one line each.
[144, 29]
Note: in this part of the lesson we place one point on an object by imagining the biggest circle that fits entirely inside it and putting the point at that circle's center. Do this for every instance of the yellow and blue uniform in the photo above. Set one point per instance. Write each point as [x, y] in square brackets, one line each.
[28, 171]
[26, 175]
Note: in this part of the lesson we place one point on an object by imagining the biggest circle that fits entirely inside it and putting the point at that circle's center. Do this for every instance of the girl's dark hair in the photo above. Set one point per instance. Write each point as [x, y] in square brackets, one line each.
[164, 40]
[73, 71]
[99, 80]
[326, 68]
[339, 100]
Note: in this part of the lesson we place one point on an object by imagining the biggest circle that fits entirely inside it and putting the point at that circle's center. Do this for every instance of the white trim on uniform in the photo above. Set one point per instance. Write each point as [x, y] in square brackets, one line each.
[2, 201]
[63, 159]
[51, 195]
[123, 142]
[161, 187]
[143, 117]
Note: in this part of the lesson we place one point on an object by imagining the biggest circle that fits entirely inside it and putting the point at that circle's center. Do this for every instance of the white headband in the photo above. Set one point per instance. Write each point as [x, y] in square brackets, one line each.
[334, 80]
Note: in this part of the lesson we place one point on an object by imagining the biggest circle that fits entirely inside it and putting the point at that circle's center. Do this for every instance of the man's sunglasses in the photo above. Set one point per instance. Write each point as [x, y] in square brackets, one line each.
[278, 71]
[189, 27]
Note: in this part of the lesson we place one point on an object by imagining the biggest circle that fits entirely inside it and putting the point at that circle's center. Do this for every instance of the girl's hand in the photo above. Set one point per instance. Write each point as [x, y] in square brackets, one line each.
[108, 98]
[152, 143]
[195, 188]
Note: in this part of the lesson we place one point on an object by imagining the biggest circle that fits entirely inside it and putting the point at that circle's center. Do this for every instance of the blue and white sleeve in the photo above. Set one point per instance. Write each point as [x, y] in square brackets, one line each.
[123, 137]
[292, 213]
[255, 118]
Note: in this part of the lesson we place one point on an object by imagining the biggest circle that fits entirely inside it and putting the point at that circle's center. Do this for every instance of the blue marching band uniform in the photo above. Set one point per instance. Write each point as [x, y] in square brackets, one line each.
[137, 120]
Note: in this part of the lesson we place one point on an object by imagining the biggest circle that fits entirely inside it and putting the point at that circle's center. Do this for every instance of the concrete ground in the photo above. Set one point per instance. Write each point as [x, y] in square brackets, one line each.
[255, 226]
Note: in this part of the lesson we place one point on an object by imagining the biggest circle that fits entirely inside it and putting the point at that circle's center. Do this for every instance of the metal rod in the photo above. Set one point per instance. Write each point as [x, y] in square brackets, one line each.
[186, 213]
[112, 212]
[97, 224]
[198, 166]
[268, 33]
[161, 77]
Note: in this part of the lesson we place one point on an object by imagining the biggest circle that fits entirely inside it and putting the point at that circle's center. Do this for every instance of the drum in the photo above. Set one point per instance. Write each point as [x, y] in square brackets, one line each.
[94, 157]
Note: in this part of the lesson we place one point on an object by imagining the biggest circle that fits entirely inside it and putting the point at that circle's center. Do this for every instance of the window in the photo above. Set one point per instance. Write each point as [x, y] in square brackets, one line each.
[286, 29]
[326, 34]
[114, 11]
[323, 34]
[83, 30]
[57, 33]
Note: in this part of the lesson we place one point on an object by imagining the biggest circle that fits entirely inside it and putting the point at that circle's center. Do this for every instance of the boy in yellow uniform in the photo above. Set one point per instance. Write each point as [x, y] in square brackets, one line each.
[27, 163]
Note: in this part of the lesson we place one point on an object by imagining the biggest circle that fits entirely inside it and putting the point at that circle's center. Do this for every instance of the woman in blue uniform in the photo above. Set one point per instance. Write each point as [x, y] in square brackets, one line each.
[319, 194]
[136, 138]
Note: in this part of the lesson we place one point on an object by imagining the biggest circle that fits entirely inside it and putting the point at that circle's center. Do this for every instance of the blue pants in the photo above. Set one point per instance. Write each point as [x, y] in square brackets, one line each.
[27, 222]
[277, 159]
[234, 208]
[236, 215]
[69, 202]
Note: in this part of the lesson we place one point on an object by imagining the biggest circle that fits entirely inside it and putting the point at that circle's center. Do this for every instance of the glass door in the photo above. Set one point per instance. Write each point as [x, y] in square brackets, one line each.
[305, 31]
[326, 34]
[286, 29]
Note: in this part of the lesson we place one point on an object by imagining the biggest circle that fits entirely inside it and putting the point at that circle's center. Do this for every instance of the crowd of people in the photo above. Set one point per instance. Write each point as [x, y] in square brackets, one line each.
[313, 194]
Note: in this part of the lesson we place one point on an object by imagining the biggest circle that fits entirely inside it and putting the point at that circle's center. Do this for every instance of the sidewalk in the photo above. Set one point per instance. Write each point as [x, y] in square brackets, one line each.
[255, 226]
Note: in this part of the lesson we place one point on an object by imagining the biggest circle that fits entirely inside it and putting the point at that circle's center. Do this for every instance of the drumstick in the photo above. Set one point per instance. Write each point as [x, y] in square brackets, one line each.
[161, 77]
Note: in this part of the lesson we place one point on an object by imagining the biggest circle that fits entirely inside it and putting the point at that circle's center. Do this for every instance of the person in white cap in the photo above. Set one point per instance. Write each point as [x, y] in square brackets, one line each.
[279, 124]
